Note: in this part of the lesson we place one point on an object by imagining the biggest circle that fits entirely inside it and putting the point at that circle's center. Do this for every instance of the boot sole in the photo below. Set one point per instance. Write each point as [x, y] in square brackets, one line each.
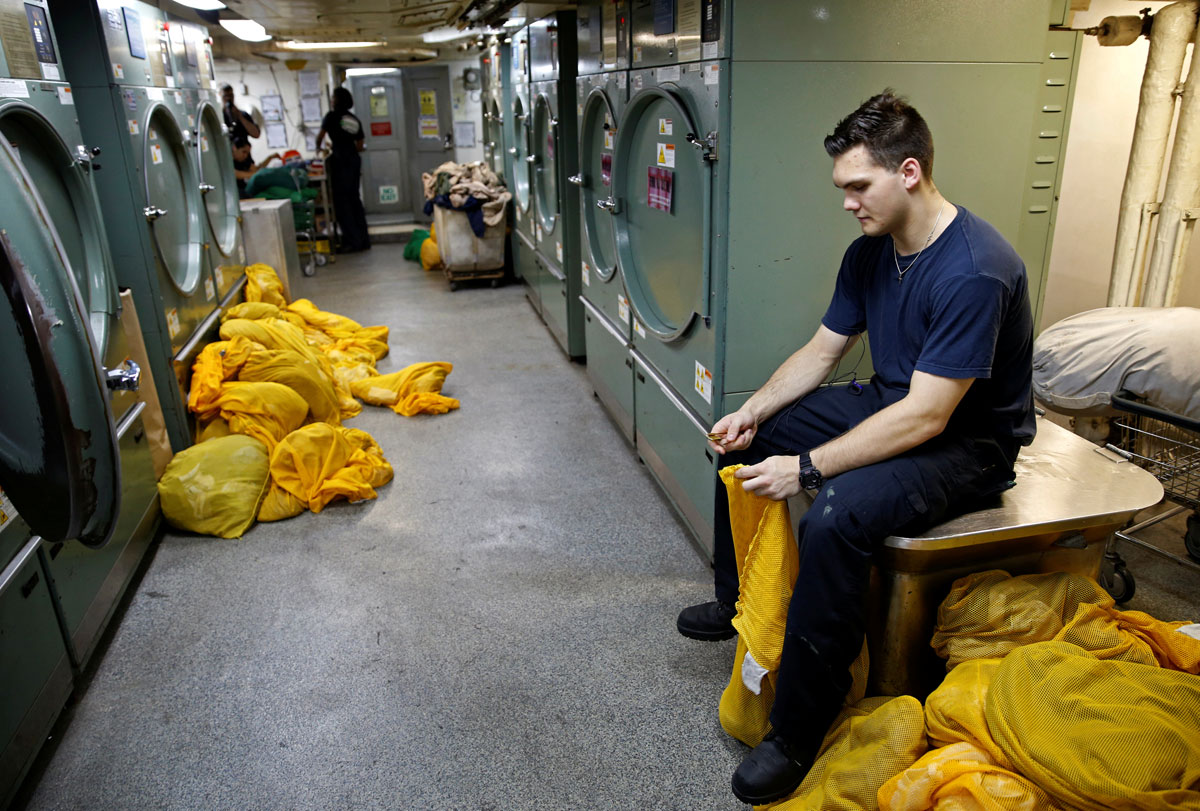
[766, 798]
[706, 636]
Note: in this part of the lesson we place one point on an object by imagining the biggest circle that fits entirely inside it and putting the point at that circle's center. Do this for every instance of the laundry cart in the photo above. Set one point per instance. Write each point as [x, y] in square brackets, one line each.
[1168, 445]
[464, 255]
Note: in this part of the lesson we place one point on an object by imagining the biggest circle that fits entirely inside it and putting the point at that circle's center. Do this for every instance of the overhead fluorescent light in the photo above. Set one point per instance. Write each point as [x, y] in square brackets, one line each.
[370, 71]
[514, 22]
[293, 45]
[444, 35]
[202, 5]
[247, 30]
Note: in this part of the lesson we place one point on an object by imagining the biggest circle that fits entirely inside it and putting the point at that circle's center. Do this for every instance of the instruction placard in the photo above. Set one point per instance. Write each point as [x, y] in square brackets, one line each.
[427, 127]
[428, 102]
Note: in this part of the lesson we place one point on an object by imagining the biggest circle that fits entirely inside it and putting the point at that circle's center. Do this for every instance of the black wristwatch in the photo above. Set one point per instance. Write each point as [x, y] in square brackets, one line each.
[810, 477]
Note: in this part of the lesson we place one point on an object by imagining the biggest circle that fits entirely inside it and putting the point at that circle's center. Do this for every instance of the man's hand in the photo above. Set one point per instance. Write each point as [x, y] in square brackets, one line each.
[776, 477]
[737, 430]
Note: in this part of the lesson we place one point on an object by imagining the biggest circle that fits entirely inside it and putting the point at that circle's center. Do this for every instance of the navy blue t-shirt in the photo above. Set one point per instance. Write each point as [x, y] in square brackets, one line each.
[961, 311]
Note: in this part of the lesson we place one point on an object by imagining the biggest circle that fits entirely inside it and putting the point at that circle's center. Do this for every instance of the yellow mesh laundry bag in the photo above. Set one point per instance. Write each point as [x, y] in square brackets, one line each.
[254, 310]
[274, 334]
[300, 375]
[214, 488]
[869, 744]
[1098, 734]
[962, 777]
[954, 712]
[319, 463]
[211, 428]
[412, 390]
[266, 411]
[263, 284]
[988, 614]
[1132, 636]
[217, 362]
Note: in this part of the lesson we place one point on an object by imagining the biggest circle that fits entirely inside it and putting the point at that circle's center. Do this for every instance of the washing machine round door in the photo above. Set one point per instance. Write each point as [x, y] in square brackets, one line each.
[662, 186]
[60, 174]
[218, 183]
[520, 166]
[597, 136]
[59, 462]
[171, 199]
[545, 164]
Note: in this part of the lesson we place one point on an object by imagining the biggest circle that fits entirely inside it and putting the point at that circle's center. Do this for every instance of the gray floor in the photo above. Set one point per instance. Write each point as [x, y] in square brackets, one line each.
[496, 631]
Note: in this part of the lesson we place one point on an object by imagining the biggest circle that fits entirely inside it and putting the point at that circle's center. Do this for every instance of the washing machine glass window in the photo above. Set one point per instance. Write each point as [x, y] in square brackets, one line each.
[520, 165]
[663, 229]
[218, 184]
[597, 139]
[545, 147]
[62, 183]
[59, 461]
[169, 204]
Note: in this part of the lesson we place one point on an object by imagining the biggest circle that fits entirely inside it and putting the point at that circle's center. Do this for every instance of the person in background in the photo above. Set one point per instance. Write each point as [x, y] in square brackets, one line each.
[239, 122]
[344, 166]
[244, 166]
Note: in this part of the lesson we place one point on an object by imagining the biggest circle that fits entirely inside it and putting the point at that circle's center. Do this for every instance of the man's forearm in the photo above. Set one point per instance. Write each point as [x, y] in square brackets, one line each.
[898, 428]
[799, 375]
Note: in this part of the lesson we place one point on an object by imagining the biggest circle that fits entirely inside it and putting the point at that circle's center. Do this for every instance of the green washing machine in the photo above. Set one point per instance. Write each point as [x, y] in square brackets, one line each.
[70, 476]
[123, 75]
[518, 122]
[494, 76]
[554, 158]
[729, 232]
[601, 92]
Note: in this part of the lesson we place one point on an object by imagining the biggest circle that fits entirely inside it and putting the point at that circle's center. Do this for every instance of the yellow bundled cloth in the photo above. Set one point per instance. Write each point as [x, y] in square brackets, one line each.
[253, 310]
[266, 411]
[214, 488]
[320, 463]
[333, 327]
[967, 770]
[217, 362]
[410, 391]
[431, 257]
[869, 743]
[263, 284]
[299, 374]
[351, 361]
[1098, 734]
[989, 614]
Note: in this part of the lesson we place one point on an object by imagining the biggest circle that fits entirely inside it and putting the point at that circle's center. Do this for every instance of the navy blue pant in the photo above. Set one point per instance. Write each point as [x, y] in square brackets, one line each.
[851, 515]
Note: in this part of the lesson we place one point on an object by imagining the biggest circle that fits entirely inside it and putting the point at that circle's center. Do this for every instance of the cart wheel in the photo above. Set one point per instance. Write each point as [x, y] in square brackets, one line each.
[1116, 579]
[1191, 538]
[310, 267]
[321, 259]
[495, 283]
[453, 286]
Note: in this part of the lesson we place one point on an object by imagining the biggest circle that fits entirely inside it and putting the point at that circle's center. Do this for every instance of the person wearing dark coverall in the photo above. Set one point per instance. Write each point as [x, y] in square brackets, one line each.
[944, 299]
[346, 137]
[238, 122]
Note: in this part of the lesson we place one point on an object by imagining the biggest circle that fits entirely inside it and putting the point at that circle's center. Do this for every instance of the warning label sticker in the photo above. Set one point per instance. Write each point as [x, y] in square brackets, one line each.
[173, 322]
[665, 127]
[203, 143]
[7, 511]
[118, 71]
[703, 382]
[155, 153]
[210, 292]
[133, 127]
[638, 328]
[587, 274]
[623, 308]
[666, 155]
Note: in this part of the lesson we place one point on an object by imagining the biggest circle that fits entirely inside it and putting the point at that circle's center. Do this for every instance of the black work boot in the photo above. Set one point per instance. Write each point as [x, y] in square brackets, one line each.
[707, 622]
[771, 771]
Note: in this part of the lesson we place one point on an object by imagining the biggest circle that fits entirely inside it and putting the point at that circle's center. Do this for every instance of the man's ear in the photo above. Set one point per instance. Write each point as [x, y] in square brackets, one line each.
[911, 170]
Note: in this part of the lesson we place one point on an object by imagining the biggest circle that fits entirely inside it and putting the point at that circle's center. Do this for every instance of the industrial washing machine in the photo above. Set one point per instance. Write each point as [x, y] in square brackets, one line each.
[554, 158]
[729, 233]
[495, 74]
[224, 252]
[518, 123]
[78, 503]
[601, 92]
[122, 68]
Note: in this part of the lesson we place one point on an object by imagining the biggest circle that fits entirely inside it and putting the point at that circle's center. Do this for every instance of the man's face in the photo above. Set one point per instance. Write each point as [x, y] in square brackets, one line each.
[241, 152]
[874, 195]
[227, 95]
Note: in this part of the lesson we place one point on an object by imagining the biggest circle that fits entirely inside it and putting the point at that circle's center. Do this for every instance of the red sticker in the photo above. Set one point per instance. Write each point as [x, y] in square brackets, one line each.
[381, 127]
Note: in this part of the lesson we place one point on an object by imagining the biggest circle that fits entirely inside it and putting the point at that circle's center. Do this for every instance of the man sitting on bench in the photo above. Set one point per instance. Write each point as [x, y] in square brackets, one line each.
[945, 301]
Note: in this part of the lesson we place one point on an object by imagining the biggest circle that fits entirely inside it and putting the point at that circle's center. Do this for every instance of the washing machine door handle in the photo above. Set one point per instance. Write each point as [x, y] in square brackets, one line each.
[153, 213]
[205, 188]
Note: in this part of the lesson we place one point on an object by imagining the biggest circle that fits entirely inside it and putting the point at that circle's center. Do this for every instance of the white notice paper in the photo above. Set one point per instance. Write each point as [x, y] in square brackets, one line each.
[277, 135]
[310, 108]
[310, 83]
[14, 88]
[464, 133]
[272, 108]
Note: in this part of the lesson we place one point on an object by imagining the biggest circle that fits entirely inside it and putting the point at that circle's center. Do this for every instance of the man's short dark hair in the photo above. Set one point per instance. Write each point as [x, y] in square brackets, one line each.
[240, 142]
[226, 86]
[891, 130]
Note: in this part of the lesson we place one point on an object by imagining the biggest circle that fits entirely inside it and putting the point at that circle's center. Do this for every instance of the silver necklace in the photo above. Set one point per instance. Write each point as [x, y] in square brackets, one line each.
[896, 257]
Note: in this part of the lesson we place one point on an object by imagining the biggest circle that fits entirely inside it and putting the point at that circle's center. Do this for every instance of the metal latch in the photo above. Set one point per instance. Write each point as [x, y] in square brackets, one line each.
[576, 180]
[608, 204]
[708, 146]
[85, 156]
[512, 150]
[124, 379]
[153, 213]
[531, 159]
[205, 188]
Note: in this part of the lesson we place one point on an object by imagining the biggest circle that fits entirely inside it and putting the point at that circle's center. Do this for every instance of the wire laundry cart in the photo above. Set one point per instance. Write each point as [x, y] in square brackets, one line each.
[304, 215]
[1167, 445]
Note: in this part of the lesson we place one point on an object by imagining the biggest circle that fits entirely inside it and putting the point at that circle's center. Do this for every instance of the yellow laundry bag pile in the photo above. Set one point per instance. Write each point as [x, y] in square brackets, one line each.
[214, 488]
[413, 390]
[263, 284]
[319, 463]
[431, 257]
